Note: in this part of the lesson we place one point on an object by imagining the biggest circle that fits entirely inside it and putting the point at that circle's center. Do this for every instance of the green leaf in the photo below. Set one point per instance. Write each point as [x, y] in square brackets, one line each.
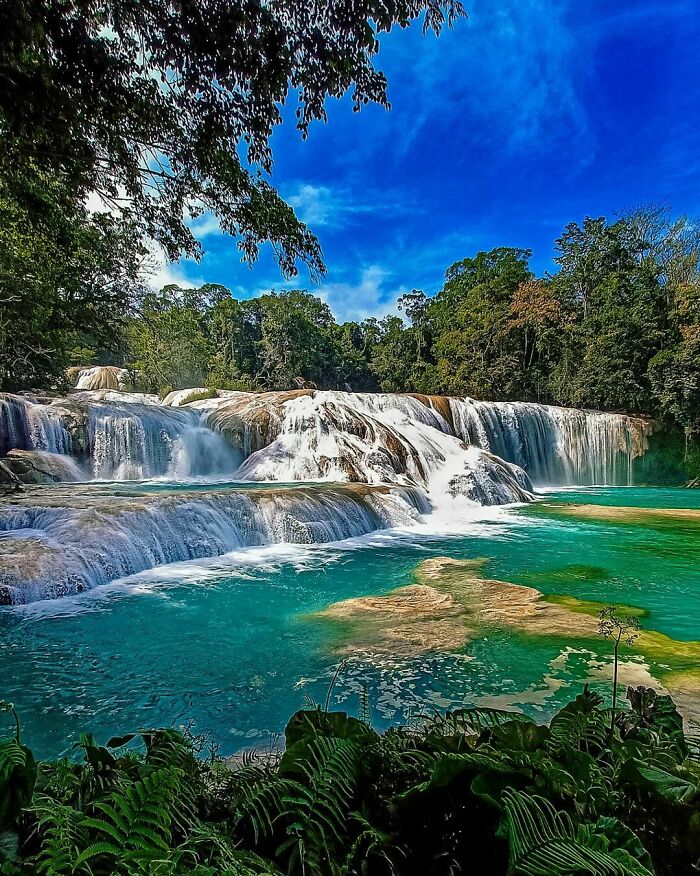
[622, 837]
[667, 785]
[18, 774]
[517, 736]
[544, 842]
[95, 850]
[309, 723]
[119, 741]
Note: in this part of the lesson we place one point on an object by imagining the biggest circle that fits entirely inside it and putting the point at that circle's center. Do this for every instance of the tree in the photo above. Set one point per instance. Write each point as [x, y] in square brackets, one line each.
[469, 320]
[168, 347]
[394, 356]
[620, 305]
[234, 331]
[67, 279]
[166, 109]
[626, 630]
[296, 339]
[675, 371]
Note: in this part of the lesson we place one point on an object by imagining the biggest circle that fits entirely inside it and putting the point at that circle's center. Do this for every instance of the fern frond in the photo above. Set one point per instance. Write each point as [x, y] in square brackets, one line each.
[257, 799]
[62, 836]
[581, 724]
[325, 773]
[12, 755]
[544, 842]
[136, 820]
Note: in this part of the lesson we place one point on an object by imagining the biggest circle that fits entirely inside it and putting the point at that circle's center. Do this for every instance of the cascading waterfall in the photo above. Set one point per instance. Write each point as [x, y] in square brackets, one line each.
[375, 437]
[368, 437]
[560, 446]
[123, 439]
[135, 441]
[70, 543]
[28, 425]
[399, 456]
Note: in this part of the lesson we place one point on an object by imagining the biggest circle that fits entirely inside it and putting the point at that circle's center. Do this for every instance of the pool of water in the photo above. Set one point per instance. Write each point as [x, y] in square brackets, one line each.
[231, 647]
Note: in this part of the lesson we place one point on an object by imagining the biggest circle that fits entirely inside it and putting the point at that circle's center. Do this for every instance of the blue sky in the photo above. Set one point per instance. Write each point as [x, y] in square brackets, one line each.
[524, 117]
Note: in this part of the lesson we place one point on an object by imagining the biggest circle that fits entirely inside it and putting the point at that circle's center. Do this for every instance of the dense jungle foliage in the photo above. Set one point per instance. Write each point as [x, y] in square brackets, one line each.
[473, 791]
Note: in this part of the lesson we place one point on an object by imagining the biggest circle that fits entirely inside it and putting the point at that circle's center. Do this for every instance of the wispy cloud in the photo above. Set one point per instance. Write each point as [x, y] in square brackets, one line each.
[323, 206]
[205, 225]
[159, 272]
[371, 293]
[509, 76]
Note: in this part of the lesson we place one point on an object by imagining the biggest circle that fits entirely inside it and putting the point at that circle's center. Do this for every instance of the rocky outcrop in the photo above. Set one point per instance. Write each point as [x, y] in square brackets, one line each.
[9, 482]
[100, 377]
[40, 467]
[489, 480]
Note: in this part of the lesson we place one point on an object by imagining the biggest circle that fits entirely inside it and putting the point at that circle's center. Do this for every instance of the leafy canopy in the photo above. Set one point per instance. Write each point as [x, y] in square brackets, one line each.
[166, 109]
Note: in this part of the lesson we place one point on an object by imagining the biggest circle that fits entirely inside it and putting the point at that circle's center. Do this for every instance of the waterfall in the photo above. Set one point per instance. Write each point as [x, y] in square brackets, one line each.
[71, 542]
[395, 457]
[375, 438]
[135, 441]
[554, 445]
[123, 440]
[27, 425]
[311, 435]
[102, 377]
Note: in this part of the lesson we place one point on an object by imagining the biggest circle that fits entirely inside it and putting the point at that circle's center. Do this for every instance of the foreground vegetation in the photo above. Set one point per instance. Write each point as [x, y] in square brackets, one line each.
[473, 791]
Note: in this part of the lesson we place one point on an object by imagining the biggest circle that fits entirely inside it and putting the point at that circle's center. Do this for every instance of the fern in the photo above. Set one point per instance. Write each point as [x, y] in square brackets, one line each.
[580, 724]
[370, 843]
[207, 846]
[325, 774]
[135, 827]
[257, 798]
[62, 836]
[471, 721]
[170, 750]
[544, 842]
[12, 755]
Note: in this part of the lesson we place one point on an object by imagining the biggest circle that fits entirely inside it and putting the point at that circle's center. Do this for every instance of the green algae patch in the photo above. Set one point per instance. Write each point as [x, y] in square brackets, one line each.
[569, 575]
[687, 519]
[584, 606]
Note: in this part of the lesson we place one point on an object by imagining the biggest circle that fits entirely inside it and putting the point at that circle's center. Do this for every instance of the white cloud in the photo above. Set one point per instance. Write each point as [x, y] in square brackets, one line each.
[159, 271]
[330, 207]
[322, 206]
[371, 294]
[509, 76]
[205, 225]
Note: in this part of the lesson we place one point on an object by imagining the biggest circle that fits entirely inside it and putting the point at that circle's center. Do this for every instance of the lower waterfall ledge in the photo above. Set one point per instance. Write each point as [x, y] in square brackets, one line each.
[59, 541]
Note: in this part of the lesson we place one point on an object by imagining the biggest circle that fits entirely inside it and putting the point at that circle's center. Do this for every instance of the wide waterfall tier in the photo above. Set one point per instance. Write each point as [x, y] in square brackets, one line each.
[58, 541]
[555, 445]
[312, 435]
[386, 458]
[374, 437]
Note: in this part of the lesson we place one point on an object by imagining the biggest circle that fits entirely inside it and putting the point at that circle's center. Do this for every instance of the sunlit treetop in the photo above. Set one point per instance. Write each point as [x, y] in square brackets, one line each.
[166, 109]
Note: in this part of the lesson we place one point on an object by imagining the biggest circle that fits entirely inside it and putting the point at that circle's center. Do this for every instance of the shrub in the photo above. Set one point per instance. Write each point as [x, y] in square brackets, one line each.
[478, 791]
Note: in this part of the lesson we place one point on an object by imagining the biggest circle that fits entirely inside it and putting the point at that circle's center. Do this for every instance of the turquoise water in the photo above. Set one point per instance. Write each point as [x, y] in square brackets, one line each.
[227, 646]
